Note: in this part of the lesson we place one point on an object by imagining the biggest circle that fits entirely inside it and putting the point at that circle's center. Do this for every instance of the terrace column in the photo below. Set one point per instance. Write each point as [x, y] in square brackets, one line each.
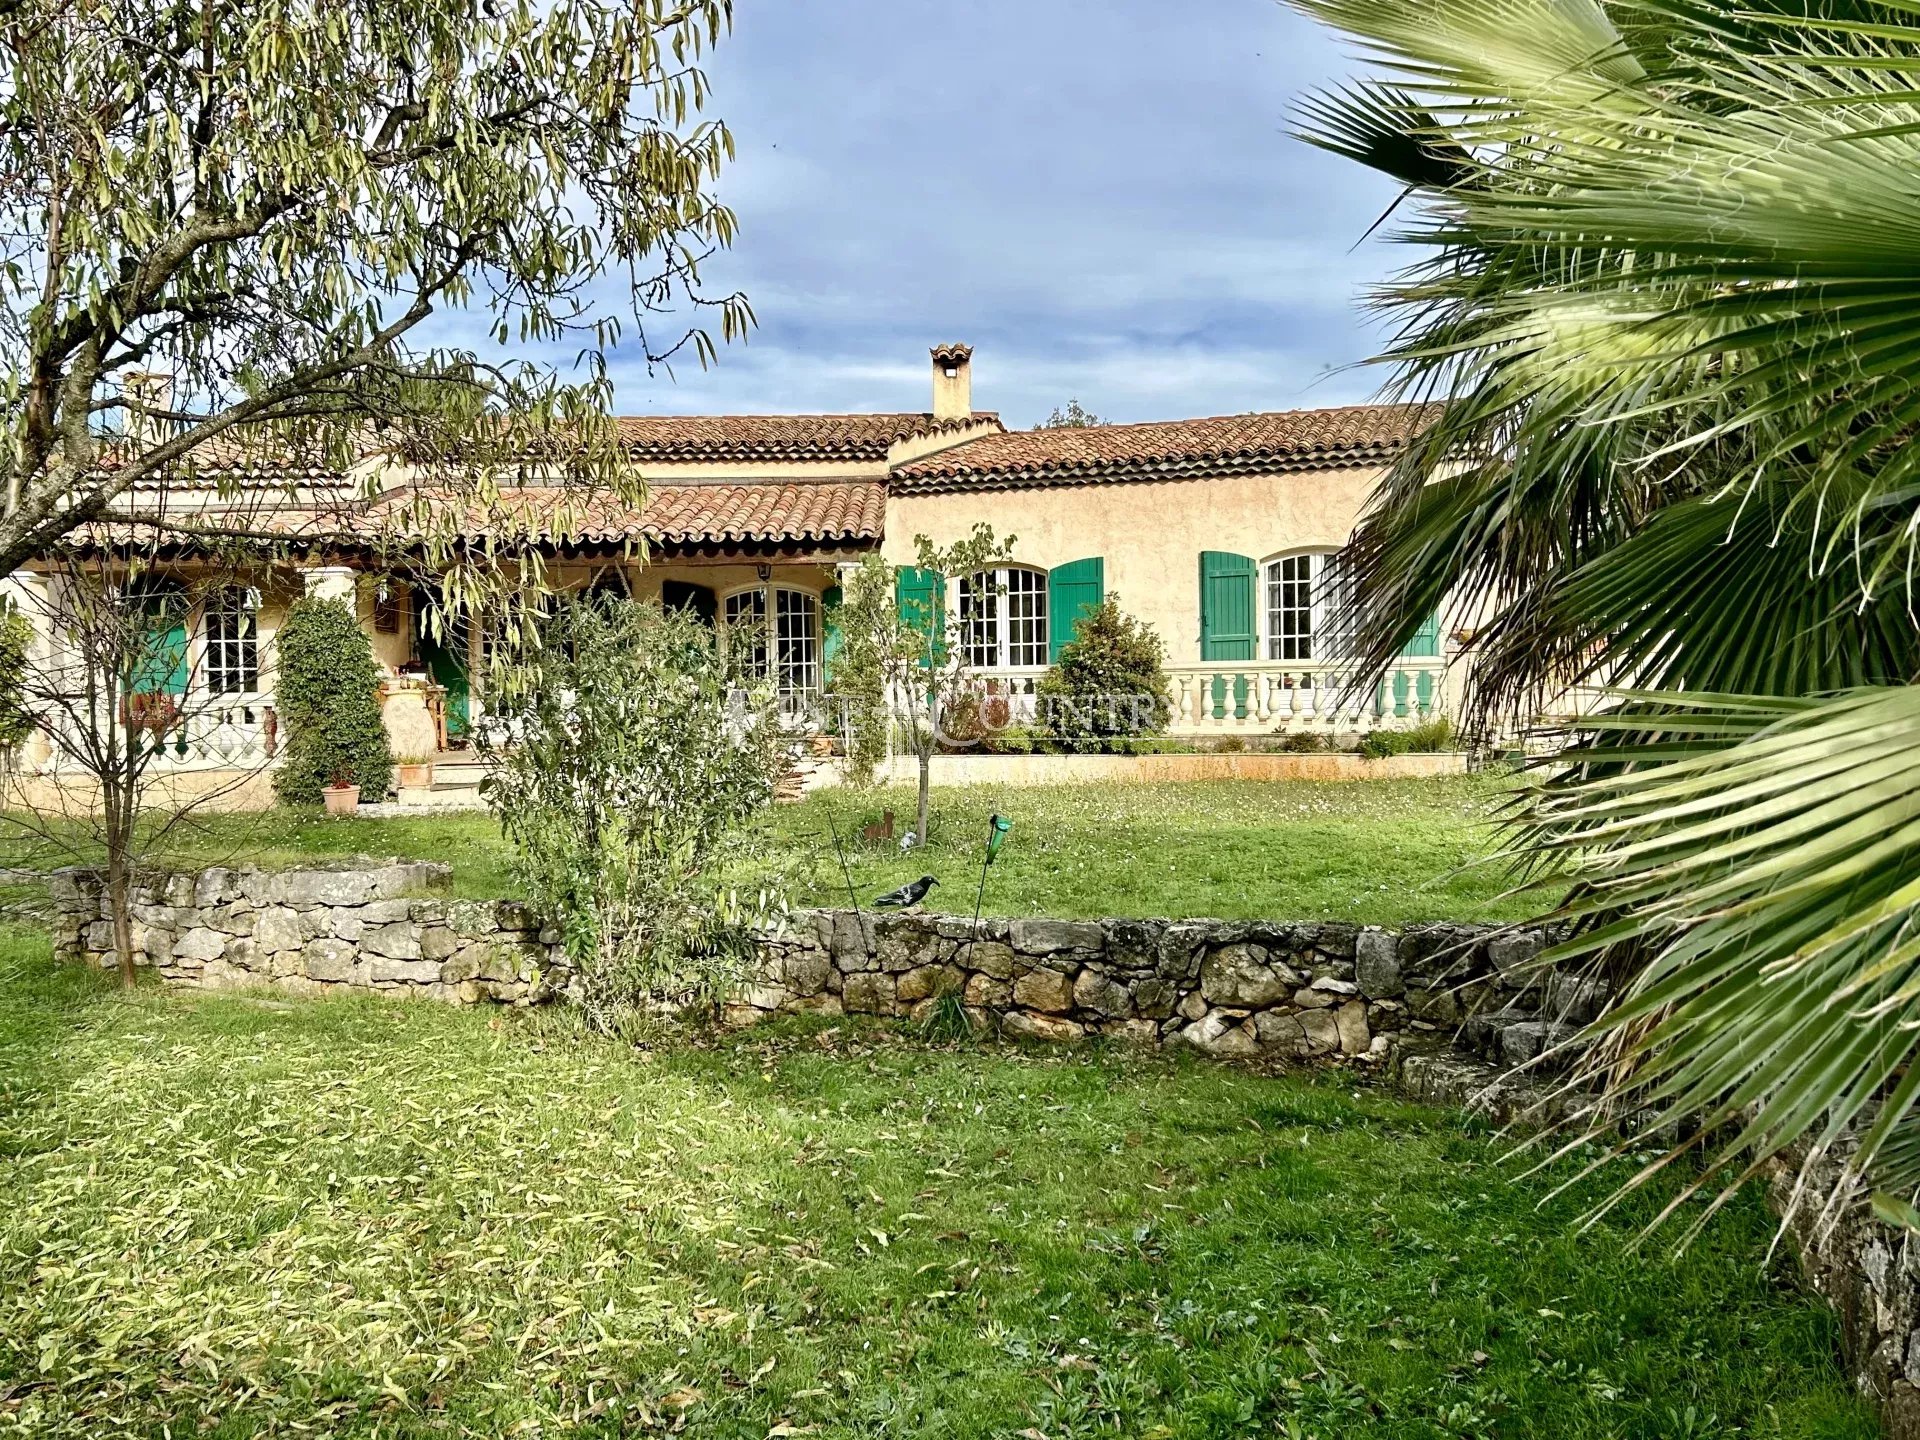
[330, 582]
[31, 594]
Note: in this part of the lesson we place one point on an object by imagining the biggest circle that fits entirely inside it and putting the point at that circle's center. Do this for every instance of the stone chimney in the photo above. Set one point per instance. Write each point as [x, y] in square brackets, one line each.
[952, 382]
[151, 388]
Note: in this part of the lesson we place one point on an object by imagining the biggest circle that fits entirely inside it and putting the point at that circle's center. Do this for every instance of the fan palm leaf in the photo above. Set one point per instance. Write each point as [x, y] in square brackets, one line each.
[1670, 292]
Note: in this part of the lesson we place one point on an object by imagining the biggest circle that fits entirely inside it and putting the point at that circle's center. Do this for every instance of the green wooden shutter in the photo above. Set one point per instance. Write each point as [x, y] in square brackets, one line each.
[920, 594]
[1073, 590]
[163, 668]
[831, 636]
[161, 661]
[1227, 630]
[1425, 643]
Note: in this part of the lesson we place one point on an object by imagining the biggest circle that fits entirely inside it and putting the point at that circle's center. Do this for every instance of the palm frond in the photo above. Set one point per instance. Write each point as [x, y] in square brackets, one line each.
[1765, 853]
[1648, 282]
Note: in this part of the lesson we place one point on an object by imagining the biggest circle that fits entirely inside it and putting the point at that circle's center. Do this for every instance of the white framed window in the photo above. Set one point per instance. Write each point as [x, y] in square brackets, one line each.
[1003, 618]
[794, 636]
[232, 632]
[1305, 596]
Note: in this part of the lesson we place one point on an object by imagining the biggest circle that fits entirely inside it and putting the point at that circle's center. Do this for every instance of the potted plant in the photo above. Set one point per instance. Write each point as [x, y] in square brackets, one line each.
[415, 772]
[342, 796]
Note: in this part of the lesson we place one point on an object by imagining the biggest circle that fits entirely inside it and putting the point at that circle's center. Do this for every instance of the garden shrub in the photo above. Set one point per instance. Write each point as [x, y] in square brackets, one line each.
[857, 686]
[975, 716]
[1017, 740]
[1108, 689]
[16, 639]
[624, 763]
[1303, 742]
[327, 697]
[1427, 738]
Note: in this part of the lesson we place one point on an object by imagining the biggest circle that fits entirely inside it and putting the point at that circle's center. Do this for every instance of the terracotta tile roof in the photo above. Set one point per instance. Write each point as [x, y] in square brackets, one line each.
[724, 516]
[1172, 449]
[806, 512]
[647, 437]
[241, 457]
[819, 511]
[785, 437]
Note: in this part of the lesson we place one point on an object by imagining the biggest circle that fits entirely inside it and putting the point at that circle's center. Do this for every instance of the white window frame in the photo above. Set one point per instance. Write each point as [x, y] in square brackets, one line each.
[230, 641]
[1319, 644]
[1003, 623]
[795, 656]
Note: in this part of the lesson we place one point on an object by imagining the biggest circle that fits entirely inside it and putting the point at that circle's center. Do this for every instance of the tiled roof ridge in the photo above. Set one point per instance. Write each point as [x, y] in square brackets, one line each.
[867, 434]
[1214, 444]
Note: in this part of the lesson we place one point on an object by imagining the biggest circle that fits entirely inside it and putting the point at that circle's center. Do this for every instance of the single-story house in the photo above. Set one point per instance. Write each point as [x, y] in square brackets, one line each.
[1214, 531]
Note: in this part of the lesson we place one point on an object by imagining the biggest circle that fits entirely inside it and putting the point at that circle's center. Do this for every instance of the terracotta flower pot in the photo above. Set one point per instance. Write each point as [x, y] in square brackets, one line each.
[416, 777]
[341, 799]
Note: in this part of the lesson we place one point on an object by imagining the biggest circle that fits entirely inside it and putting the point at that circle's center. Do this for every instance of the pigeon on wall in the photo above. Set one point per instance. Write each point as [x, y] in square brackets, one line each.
[910, 894]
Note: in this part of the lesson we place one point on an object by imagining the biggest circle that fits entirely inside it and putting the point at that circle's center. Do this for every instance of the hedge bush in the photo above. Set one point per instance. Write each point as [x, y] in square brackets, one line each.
[1429, 737]
[328, 698]
[1108, 690]
[16, 639]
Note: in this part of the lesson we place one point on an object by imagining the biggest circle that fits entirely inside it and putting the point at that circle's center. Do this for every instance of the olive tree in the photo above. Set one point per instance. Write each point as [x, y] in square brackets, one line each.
[266, 202]
[625, 759]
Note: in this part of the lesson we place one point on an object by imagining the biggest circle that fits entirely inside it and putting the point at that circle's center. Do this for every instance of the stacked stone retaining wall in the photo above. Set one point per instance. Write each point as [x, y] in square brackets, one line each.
[1309, 990]
[388, 927]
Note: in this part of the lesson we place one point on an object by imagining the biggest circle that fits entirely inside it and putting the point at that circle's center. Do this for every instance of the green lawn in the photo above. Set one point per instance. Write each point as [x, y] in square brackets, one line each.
[1388, 852]
[223, 1216]
[1384, 851]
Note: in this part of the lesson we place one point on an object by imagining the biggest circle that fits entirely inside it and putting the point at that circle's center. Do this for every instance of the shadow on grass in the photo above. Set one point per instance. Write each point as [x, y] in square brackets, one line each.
[43, 1006]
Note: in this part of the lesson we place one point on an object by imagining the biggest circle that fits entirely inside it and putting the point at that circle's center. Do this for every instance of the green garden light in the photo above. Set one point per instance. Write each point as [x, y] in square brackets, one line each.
[998, 828]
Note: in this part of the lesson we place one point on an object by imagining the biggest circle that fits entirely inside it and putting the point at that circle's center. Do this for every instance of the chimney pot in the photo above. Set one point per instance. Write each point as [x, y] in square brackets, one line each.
[152, 389]
[952, 382]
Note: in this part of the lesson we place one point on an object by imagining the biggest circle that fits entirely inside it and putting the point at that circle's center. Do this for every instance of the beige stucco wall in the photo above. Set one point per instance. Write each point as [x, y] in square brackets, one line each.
[1150, 534]
[212, 791]
[982, 769]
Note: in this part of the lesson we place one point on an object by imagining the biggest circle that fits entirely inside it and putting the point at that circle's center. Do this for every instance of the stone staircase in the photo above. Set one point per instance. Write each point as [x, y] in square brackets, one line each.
[456, 786]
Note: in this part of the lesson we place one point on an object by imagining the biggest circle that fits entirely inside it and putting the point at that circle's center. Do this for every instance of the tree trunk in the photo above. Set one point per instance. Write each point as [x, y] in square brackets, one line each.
[926, 779]
[118, 909]
[924, 744]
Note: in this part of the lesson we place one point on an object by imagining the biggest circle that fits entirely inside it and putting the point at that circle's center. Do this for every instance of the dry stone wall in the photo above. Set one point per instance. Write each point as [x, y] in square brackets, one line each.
[1233, 989]
[377, 926]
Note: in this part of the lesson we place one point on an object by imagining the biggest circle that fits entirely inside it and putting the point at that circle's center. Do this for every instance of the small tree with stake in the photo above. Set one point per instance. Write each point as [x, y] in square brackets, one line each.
[924, 652]
[99, 720]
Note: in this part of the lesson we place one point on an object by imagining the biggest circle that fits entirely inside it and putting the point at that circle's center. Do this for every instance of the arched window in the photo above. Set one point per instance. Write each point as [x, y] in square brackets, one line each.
[1304, 600]
[232, 632]
[794, 636]
[1003, 618]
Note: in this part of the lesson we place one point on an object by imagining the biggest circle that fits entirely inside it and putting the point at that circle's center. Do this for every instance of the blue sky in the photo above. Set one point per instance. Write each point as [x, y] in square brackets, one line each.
[1099, 195]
